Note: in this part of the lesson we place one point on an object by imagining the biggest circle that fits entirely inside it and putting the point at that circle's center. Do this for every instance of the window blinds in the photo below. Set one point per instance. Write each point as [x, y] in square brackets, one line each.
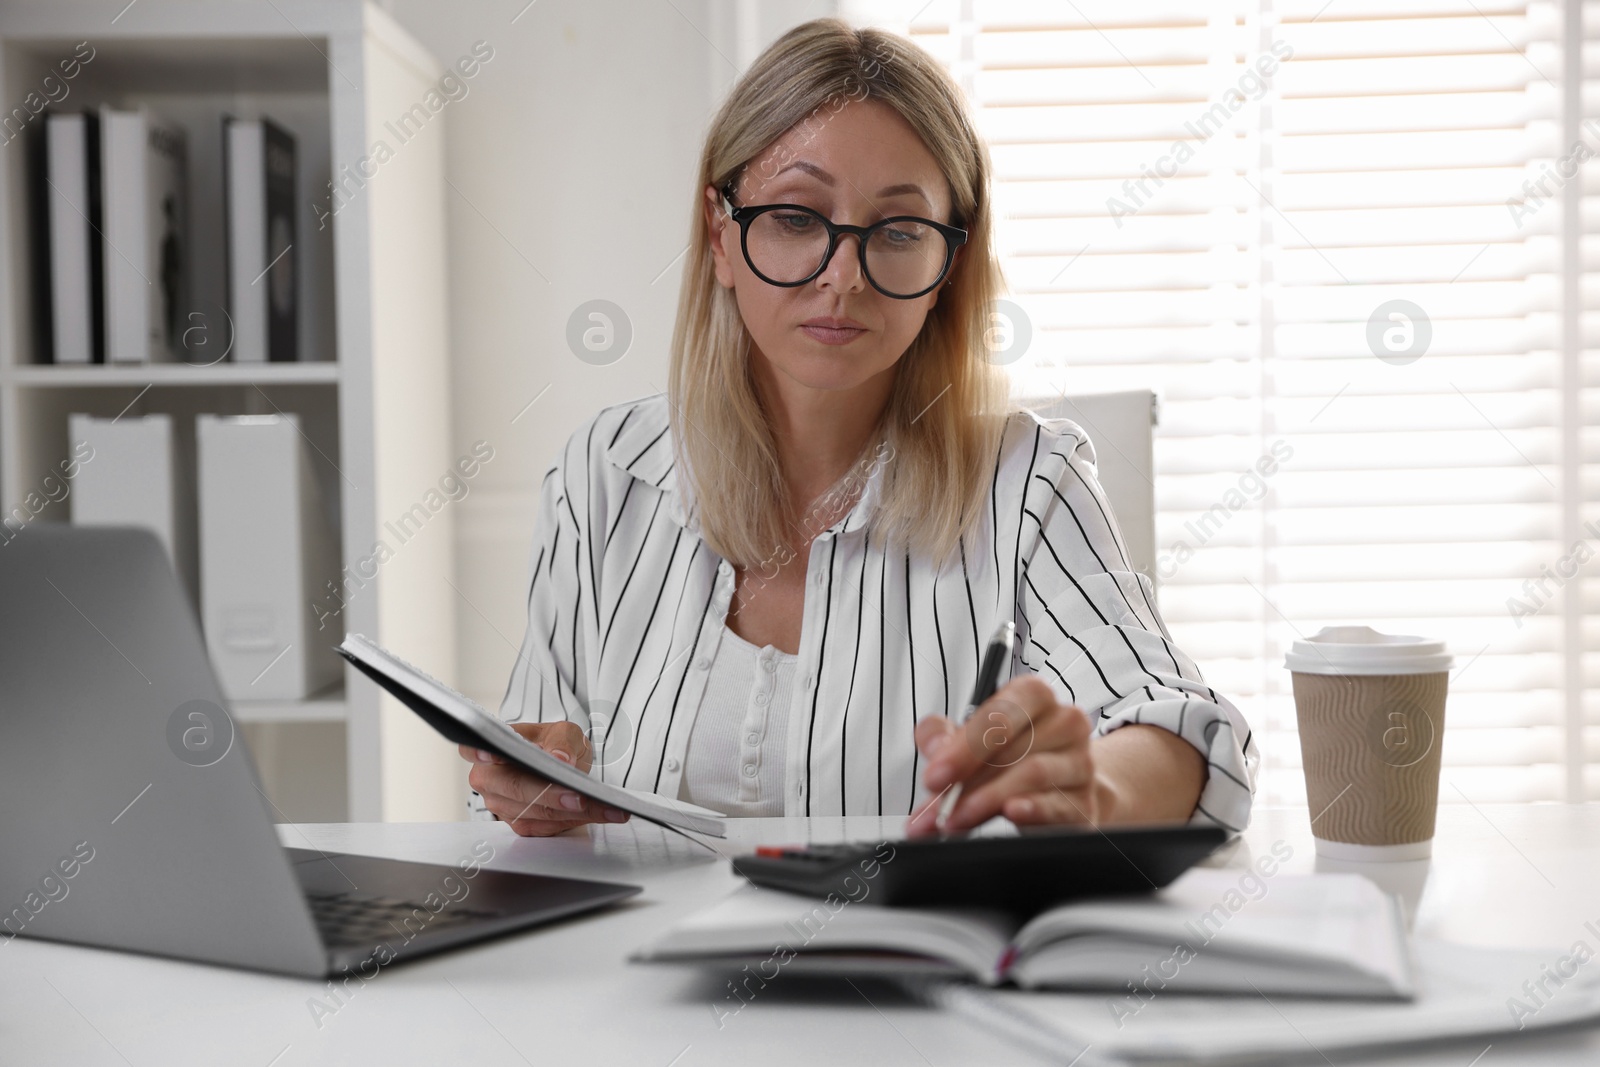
[1348, 242]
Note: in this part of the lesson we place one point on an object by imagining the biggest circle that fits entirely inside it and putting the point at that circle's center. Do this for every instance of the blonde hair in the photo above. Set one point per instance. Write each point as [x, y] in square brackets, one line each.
[945, 411]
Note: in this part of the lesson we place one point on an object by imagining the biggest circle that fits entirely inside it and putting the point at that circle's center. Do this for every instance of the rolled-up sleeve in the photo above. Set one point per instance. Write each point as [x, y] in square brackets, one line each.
[1088, 624]
[549, 678]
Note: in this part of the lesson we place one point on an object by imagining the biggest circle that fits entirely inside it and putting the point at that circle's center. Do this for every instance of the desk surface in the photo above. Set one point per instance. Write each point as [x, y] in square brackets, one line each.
[1501, 875]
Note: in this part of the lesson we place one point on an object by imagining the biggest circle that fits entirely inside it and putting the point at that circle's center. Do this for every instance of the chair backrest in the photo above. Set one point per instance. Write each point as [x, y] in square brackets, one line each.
[1121, 427]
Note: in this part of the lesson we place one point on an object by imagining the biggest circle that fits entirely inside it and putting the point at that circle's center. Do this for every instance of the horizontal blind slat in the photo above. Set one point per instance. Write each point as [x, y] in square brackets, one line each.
[1170, 219]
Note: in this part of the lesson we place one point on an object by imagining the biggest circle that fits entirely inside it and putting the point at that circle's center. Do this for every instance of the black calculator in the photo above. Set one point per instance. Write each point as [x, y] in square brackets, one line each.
[1026, 872]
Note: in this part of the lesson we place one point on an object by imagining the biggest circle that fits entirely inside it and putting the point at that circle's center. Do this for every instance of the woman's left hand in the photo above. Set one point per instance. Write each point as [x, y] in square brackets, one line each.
[1020, 754]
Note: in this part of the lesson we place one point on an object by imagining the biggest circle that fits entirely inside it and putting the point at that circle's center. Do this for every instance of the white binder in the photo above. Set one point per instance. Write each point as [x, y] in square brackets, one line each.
[267, 552]
[139, 476]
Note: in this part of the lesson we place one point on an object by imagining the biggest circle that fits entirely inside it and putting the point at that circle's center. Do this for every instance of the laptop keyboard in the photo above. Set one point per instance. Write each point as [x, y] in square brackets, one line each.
[345, 920]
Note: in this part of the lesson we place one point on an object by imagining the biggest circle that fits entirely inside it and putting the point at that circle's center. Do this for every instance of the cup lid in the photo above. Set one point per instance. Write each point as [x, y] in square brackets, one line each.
[1363, 650]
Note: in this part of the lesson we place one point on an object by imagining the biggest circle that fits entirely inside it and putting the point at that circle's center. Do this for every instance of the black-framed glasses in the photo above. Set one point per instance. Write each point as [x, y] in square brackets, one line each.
[903, 257]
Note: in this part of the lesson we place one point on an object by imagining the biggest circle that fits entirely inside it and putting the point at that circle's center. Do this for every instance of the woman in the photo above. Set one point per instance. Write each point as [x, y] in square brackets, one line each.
[768, 592]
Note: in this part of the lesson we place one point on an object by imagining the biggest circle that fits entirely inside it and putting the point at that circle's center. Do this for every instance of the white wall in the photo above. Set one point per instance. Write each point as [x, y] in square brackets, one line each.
[571, 163]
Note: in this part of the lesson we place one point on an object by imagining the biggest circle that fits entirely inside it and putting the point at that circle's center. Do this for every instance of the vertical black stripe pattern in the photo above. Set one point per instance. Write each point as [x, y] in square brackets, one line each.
[631, 622]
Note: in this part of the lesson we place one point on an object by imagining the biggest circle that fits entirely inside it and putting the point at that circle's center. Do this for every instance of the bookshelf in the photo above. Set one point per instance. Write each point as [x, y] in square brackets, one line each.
[167, 374]
[372, 388]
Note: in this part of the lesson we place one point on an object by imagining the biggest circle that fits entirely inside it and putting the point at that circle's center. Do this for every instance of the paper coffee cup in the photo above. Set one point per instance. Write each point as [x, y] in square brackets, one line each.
[1371, 713]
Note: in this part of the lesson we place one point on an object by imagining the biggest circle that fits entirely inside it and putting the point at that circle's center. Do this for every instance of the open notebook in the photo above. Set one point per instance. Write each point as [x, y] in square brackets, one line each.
[1467, 997]
[1322, 934]
[466, 723]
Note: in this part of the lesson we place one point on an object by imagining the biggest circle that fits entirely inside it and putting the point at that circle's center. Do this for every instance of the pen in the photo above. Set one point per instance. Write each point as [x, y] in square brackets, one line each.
[995, 659]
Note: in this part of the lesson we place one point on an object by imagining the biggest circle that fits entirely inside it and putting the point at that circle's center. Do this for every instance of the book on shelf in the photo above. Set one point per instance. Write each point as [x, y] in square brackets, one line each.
[111, 241]
[259, 187]
[68, 263]
[1324, 934]
[146, 253]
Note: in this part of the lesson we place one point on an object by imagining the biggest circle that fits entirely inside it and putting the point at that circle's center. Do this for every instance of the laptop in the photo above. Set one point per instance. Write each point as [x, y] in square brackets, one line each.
[131, 815]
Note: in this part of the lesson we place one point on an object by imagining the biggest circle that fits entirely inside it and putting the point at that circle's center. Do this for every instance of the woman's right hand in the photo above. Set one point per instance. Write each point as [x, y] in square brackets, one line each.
[530, 805]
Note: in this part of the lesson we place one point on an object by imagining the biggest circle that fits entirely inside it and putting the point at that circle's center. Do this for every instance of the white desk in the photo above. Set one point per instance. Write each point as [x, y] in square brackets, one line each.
[1504, 875]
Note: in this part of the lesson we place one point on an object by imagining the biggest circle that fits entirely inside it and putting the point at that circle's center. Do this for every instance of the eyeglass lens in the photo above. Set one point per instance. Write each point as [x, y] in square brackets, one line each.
[788, 246]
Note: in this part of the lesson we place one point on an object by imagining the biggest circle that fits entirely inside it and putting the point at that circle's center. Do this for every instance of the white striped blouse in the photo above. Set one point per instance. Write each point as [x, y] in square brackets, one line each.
[627, 603]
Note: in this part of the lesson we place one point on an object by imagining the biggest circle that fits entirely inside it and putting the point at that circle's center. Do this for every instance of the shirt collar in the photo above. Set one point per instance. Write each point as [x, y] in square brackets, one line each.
[644, 447]
[876, 462]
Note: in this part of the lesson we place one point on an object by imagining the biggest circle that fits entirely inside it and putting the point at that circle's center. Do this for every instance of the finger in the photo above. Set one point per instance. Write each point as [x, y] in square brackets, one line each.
[1011, 730]
[1002, 730]
[507, 781]
[1020, 719]
[1063, 807]
[963, 753]
[1060, 730]
[507, 810]
[925, 819]
[560, 803]
[564, 740]
[1067, 769]
[1042, 771]
[536, 824]
[931, 732]
[928, 809]
[523, 788]
[510, 809]
[547, 827]
[478, 755]
[542, 827]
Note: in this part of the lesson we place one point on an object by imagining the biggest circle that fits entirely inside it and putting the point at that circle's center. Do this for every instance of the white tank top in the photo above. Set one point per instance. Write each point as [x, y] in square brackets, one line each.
[735, 759]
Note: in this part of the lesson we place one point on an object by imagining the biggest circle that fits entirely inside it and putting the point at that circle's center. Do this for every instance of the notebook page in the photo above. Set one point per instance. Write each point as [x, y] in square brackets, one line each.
[1462, 993]
[754, 919]
[1340, 922]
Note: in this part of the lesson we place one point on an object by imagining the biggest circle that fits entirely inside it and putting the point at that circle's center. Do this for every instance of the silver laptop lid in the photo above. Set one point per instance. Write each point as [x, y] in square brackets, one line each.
[131, 816]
